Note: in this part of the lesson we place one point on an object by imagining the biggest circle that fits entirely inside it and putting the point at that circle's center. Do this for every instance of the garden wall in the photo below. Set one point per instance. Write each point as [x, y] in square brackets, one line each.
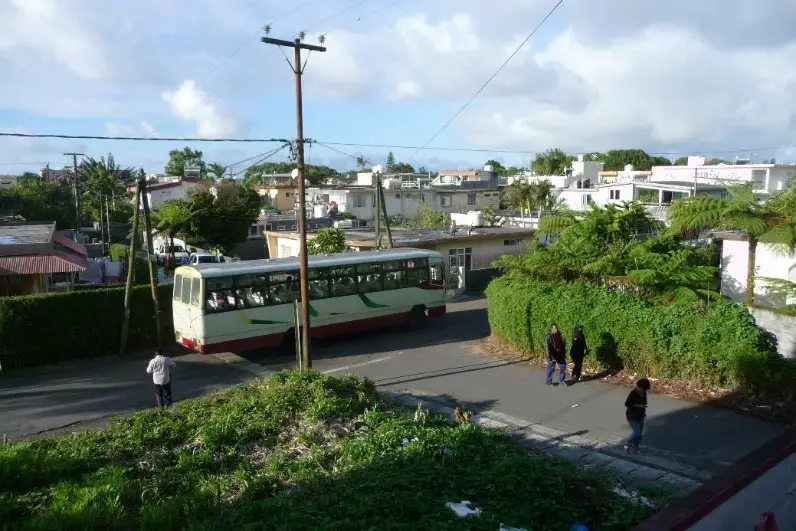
[716, 344]
[782, 327]
[57, 327]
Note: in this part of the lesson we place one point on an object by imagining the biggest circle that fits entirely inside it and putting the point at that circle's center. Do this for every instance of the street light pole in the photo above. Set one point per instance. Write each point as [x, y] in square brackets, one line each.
[298, 70]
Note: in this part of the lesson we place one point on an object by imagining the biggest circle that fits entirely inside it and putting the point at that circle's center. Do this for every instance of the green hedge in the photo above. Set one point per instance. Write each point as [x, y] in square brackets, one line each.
[56, 327]
[715, 344]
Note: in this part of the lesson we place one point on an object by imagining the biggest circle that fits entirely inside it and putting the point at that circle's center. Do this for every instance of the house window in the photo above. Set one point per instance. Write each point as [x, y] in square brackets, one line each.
[284, 251]
[461, 257]
[359, 201]
[445, 201]
[511, 242]
[585, 199]
[470, 199]
[287, 194]
[253, 230]
[397, 196]
[613, 194]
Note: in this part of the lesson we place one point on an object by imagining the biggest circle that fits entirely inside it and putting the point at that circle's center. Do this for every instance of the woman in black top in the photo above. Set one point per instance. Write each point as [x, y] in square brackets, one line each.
[636, 413]
[577, 352]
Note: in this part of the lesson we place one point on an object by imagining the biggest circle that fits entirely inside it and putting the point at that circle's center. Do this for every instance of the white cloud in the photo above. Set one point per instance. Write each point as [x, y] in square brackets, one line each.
[406, 90]
[143, 129]
[191, 104]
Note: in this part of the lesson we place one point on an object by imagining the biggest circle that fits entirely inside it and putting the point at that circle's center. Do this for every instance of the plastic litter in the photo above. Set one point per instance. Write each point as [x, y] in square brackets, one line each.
[577, 526]
[463, 509]
[634, 496]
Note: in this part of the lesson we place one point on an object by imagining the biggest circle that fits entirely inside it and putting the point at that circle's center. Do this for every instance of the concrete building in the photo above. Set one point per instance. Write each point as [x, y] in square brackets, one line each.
[769, 262]
[280, 197]
[173, 188]
[469, 248]
[764, 178]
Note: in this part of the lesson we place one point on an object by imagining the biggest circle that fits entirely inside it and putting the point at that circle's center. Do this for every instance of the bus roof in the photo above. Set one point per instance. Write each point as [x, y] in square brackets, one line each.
[248, 267]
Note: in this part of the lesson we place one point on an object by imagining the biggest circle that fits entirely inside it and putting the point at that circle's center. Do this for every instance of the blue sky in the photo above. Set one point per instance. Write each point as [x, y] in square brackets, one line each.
[710, 77]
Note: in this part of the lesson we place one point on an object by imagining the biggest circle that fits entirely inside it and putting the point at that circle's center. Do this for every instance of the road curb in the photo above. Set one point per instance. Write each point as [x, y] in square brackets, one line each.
[585, 452]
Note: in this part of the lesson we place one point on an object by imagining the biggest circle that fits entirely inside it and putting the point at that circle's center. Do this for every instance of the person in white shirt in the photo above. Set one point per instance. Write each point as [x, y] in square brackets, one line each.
[160, 369]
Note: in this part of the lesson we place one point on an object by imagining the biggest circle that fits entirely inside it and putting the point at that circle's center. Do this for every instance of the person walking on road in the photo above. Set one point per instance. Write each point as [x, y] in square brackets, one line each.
[160, 369]
[556, 349]
[577, 352]
[636, 414]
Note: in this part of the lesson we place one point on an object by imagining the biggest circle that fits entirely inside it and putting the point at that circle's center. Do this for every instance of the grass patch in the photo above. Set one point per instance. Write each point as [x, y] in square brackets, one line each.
[296, 451]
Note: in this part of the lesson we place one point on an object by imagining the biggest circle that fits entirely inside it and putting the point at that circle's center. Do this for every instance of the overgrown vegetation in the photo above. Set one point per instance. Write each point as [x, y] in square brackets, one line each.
[57, 327]
[296, 451]
[328, 241]
[706, 343]
[619, 246]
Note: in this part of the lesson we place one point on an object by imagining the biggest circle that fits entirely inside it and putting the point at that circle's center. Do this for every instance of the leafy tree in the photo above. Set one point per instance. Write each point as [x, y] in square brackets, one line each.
[361, 162]
[173, 219]
[595, 156]
[770, 221]
[328, 241]
[38, 199]
[527, 197]
[390, 162]
[551, 162]
[422, 169]
[216, 169]
[426, 218]
[178, 159]
[716, 162]
[222, 220]
[682, 161]
[659, 161]
[616, 159]
[402, 167]
[490, 217]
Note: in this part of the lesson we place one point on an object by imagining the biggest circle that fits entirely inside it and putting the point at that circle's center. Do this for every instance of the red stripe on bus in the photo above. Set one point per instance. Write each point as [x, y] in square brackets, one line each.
[321, 332]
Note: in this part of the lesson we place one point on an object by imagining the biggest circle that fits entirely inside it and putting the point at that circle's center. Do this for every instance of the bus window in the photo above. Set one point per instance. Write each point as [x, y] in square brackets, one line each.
[177, 287]
[436, 275]
[196, 292]
[417, 277]
[393, 266]
[394, 279]
[369, 278]
[283, 288]
[185, 296]
[343, 280]
[251, 291]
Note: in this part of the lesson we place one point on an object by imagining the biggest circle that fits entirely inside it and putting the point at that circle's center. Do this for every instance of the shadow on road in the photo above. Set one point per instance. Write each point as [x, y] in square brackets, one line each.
[427, 375]
[454, 327]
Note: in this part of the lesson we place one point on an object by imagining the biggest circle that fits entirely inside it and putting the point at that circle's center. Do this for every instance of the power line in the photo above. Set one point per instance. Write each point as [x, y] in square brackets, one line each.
[144, 138]
[359, 145]
[249, 40]
[493, 76]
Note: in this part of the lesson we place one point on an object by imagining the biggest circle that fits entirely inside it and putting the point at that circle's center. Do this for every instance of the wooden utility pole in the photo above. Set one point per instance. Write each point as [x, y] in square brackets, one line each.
[108, 221]
[384, 211]
[153, 279]
[128, 291]
[377, 208]
[77, 193]
[298, 70]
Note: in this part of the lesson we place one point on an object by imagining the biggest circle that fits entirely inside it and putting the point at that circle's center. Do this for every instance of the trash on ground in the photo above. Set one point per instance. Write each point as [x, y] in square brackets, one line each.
[407, 441]
[575, 405]
[506, 528]
[463, 509]
[630, 494]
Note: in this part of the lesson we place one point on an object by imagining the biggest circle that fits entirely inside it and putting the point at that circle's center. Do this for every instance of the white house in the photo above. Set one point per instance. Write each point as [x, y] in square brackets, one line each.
[765, 178]
[769, 262]
[175, 188]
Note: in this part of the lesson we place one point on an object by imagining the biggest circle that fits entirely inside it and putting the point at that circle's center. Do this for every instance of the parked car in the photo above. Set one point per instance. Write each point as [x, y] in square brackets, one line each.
[206, 258]
[164, 251]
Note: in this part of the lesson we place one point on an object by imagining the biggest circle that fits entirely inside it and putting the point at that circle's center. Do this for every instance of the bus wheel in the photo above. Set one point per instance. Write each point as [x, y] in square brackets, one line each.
[417, 317]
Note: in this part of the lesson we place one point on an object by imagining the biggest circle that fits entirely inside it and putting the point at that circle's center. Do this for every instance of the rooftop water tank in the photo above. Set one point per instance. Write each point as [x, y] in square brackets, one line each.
[488, 168]
[628, 167]
[319, 211]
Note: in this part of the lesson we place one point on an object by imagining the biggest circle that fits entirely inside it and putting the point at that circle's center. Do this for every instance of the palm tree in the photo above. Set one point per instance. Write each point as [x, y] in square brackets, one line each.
[768, 221]
[104, 182]
[361, 162]
[217, 170]
[519, 196]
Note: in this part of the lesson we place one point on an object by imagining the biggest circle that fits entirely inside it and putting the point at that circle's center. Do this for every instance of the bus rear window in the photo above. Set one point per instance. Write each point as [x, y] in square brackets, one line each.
[177, 287]
[196, 292]
[185, 295]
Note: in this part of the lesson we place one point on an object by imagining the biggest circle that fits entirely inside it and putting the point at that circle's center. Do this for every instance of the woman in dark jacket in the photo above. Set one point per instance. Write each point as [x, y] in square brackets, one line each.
[577, 352]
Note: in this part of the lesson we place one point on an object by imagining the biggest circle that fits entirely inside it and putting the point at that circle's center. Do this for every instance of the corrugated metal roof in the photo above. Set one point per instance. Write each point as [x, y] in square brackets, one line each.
[69, 244]
[35, 264]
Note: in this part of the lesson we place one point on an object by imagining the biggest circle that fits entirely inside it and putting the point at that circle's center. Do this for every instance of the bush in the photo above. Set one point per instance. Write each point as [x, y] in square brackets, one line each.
[55, 327]
[707, 344]
[119, 252]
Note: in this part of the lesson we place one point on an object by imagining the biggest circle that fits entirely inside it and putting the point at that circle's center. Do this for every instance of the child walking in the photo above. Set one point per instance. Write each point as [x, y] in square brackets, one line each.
[636, 414]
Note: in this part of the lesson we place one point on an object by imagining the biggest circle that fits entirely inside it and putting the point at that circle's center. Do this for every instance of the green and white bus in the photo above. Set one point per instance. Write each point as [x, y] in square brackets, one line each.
[237, 306]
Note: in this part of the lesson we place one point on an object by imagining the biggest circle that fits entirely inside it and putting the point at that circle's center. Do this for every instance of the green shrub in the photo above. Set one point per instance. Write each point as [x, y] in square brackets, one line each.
[55, 327]
[119, 252]
[707, 344]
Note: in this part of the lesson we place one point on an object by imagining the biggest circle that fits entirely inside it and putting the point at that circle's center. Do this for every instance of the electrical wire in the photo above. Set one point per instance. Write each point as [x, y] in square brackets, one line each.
[144, 138]
[493, 76]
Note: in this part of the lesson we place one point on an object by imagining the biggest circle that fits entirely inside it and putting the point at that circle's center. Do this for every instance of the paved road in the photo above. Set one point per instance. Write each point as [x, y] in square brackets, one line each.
[441, 360]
